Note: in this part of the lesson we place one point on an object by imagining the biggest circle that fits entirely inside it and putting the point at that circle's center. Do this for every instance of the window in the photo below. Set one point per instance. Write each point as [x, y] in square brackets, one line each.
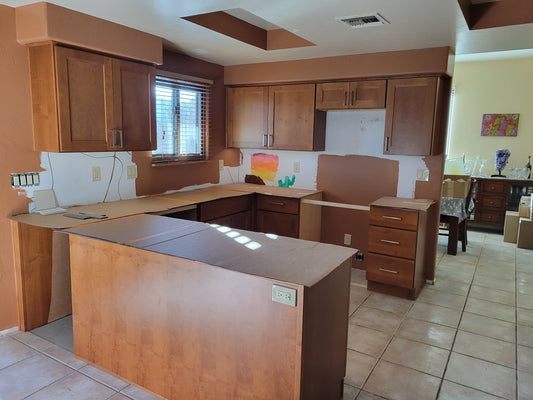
[182, 118]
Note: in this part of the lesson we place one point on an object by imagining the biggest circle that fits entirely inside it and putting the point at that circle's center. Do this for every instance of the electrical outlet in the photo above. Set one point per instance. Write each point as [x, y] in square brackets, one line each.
[347, 239]
[359, 256]
[284, 295]
[96, 174]
[296, 166]
[131, 171]
[220, 165]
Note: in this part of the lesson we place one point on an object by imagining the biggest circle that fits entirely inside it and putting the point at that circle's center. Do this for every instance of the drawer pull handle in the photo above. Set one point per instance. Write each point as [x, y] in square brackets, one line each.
[276, 203]
[389, 241]
[388, 270]
[389, 217]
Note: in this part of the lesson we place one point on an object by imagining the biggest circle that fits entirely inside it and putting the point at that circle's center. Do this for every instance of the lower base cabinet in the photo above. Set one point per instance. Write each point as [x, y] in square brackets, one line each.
[396, 245]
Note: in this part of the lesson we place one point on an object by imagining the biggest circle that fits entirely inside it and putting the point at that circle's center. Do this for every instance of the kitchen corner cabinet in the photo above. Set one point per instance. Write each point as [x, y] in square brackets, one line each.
[275, 117]
[89, 102]
[396, 245]
[415, 122]
[351, 95]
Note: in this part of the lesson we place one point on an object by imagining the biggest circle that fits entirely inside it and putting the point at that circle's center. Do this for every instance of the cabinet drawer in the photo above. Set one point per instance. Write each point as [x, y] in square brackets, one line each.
[493, 187]
[392, 242]
[279, 223]
[223, 207]
[277, 204]
[497, 203]
[490, 217]
[394, 218]
[390, 270]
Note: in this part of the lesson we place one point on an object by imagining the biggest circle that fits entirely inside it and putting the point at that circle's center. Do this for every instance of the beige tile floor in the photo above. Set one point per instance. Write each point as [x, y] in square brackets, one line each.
[470, 336]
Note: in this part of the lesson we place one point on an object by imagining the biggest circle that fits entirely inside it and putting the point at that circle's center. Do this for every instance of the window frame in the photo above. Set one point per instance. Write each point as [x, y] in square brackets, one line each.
[204, 87]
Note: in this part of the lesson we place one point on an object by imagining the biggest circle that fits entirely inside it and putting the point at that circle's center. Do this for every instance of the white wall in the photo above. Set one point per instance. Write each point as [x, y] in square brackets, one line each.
[347, 132]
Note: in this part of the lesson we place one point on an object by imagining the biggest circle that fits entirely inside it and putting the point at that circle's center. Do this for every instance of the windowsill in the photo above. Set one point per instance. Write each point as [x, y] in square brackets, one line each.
[176, 163]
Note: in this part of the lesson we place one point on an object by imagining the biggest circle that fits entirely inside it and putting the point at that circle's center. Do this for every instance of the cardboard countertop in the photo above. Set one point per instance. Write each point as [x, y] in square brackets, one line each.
[269, 256]
[399, 202]
[156, 203]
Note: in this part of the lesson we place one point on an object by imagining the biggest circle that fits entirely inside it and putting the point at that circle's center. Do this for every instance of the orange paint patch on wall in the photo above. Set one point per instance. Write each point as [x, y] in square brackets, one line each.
[265, 166]
[16, 151]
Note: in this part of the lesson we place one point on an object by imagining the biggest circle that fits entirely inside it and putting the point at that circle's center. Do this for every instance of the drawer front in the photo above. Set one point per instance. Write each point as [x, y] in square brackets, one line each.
[493, 187]
[497, 203]
[489, 217]
[223, 207]
[394, 218]
[278, 204]
[279, 223]
[392, 242]
[390, 270]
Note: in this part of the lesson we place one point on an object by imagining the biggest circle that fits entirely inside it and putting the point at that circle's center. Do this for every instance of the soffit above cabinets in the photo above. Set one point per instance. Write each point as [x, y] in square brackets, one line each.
[413, 24]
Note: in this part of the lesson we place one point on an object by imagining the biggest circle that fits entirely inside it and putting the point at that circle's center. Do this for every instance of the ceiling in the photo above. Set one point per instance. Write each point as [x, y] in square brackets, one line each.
[414, 24]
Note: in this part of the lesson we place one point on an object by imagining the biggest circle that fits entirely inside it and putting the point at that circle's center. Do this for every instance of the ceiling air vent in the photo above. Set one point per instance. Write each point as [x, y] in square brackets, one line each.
[364, 21]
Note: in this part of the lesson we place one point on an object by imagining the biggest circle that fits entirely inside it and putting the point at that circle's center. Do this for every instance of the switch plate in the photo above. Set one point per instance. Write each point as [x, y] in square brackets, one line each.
[220, 165]
[284, 295]
[96, 174]
[296, 166]
[347, 239]
[131, 171]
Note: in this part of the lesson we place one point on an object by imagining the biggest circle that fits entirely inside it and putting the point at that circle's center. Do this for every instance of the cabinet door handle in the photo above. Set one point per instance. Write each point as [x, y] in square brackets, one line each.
[345, 98]
[387, 143]
[389, 241]
[270, 140]
[264, 140]
[388, 270]
[276, 203]
[352, 100]
[121, 135]
[113, 138]
[389, 217]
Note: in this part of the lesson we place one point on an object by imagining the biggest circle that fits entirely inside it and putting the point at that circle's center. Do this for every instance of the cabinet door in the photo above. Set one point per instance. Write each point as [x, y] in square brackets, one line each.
[134, 106]
[368, 94]
[332, 95]
[247, 113]
[278, 223]
[85, 97]
[292, 117]
[410, 116]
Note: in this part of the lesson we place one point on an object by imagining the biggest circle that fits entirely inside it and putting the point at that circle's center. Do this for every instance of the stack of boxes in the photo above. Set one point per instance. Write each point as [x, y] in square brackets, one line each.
[519, 225]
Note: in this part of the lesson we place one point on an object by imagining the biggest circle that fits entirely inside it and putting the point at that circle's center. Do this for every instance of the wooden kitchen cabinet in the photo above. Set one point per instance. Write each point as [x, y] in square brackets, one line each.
[233, 212]
[396, 243]
[415, 122]
[275, 117]
[351, 95]
[90, 102]
[278, 215]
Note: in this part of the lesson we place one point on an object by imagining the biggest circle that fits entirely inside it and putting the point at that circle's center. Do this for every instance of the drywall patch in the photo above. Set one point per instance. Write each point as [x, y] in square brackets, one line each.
[356, 179]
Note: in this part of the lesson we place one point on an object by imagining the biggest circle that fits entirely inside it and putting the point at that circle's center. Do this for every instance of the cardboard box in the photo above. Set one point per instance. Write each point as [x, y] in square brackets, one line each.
[510, 229]
[525, 234]
[455, 188]
[524, 211]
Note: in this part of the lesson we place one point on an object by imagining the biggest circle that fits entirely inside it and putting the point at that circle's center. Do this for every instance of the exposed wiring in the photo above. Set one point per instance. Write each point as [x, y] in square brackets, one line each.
[112, 173]
[115, 158]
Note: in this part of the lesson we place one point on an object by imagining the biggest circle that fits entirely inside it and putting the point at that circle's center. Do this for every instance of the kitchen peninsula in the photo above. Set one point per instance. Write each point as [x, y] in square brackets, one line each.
[190, 310]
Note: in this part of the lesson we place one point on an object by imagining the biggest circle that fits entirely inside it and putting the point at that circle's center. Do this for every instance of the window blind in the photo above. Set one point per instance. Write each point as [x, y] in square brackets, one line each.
[182, 117]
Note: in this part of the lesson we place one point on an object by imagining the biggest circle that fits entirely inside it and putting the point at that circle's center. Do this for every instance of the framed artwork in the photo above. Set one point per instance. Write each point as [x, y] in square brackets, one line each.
[499, 125]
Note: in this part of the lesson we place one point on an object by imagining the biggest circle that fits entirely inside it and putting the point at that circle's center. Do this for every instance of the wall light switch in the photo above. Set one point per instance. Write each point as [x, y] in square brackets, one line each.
[96, 174]
[296, 166]
[220, 165]
[347, 239]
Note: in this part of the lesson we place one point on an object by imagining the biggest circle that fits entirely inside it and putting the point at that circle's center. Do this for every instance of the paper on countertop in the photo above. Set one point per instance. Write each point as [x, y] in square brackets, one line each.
[46, 203]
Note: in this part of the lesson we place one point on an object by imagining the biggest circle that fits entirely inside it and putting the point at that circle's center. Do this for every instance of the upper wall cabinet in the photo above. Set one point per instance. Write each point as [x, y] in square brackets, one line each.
[275, 117]
[415, 122]
[89, 102]
[351, 95]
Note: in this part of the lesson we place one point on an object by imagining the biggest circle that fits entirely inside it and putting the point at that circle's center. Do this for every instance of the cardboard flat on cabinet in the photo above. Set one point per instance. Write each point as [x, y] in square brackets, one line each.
[268, 190]
[525, 234]
[399, 202]
[510, 228]
[113, 209]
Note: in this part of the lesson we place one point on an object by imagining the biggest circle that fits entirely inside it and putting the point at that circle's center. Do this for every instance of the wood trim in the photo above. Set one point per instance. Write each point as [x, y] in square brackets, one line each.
[333, 204]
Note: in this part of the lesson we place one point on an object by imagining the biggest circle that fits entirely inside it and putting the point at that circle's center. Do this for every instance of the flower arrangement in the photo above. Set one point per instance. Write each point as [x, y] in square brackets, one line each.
[502, 156]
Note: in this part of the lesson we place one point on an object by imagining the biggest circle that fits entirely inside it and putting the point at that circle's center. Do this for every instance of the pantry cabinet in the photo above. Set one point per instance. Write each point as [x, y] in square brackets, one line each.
[90, 102]
[281, 117]
[415, 121]
[351, 95]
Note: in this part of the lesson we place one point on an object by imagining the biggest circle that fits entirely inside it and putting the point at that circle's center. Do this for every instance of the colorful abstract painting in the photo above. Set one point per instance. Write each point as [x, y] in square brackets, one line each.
[499, 125]
[265, 166]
